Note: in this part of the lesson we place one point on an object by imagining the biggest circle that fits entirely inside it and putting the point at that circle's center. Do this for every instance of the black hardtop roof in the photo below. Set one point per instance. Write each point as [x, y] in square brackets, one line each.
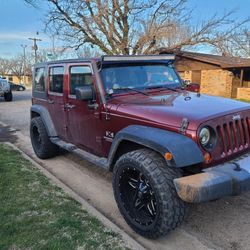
[78, 60]
[115, 58]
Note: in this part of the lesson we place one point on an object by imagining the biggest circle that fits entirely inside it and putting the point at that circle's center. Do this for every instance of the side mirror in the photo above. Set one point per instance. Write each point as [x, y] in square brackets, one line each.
[85, 93]
[193, 87]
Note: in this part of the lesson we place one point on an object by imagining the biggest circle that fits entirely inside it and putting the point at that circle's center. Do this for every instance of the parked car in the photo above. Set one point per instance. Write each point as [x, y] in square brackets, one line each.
[17, 86]
[5, 90]
[190, 86]
[167, 147]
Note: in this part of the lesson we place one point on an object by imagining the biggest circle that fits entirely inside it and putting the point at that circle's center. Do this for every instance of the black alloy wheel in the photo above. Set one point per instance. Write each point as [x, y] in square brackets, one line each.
[137, 196]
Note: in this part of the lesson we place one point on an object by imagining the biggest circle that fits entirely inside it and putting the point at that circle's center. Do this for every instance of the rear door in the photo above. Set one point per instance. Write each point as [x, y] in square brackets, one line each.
[56, 96]
[83, 121]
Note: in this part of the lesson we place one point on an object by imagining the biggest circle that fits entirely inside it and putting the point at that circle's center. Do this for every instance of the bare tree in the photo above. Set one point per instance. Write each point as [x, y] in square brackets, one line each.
[4, 66]
[134, 27]
[16, 67]
[87, 52]
[238, 44]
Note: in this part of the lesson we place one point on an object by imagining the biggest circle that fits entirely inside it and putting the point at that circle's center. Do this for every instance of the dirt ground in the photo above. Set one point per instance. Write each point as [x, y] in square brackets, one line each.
[222, 224]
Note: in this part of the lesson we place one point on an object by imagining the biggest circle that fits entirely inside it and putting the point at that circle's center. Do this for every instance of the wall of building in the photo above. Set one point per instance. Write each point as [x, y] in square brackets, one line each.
[184, 64]
[246, 84]
[186, 75]
[243, 93]
[216, 82]
[236, 85]
[25, 80]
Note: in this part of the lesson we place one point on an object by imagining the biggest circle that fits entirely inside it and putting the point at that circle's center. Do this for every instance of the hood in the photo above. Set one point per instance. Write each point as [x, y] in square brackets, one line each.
[169, 108]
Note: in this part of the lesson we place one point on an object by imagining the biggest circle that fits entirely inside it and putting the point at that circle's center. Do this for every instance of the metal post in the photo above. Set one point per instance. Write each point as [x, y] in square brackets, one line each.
[24, 62]
[241, 77]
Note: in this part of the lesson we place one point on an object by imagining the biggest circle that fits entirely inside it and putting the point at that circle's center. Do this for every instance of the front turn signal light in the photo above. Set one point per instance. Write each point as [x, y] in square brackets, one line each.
[207, 158]
[168, 156]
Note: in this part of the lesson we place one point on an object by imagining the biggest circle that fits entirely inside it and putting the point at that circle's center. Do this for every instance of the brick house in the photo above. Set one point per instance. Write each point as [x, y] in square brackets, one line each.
[217, 75]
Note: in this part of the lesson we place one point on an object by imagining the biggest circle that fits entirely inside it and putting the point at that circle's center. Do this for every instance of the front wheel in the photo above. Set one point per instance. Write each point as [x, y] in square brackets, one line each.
[8, 96]
[145, 193]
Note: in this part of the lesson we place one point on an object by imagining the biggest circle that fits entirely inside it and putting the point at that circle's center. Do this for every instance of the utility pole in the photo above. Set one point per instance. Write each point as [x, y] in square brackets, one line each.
[24, 61]
[35, 47]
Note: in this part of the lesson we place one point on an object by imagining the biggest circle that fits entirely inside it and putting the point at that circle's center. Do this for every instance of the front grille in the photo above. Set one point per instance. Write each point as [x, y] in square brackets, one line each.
[234, 136]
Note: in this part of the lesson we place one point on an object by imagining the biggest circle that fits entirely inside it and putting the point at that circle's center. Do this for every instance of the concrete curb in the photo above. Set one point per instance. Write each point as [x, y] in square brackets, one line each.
[129, 241]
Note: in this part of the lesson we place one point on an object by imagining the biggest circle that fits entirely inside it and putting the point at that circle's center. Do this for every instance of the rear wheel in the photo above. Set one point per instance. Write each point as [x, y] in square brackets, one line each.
[8, 96]
[145, 193]
[41, 143]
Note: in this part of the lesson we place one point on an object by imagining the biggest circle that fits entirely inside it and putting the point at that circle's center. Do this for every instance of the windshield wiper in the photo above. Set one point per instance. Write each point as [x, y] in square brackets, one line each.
[136, 90]
[162, 87]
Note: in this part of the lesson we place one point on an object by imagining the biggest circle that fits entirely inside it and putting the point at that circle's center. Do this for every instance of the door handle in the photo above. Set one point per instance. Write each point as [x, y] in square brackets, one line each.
[51, 101]
[69, 106]
[93, 106]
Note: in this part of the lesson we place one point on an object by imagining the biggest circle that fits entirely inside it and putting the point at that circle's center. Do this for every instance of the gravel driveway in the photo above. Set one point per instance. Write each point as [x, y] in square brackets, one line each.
[222, 224]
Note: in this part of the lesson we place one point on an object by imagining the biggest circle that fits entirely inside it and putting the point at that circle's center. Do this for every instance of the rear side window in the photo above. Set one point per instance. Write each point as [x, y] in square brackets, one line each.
[39, 82]
[79, 76]
[56, 79]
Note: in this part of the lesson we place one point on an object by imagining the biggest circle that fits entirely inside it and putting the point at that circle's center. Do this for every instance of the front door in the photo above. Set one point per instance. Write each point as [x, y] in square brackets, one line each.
[82, 121]
[56, 99]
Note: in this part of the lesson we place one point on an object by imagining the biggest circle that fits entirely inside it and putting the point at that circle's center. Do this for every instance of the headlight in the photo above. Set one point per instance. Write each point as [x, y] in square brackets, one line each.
[204, 136]
[207, 138]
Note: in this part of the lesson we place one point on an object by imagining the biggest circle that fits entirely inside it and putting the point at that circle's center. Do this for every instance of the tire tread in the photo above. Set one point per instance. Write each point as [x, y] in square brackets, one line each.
[173, 209]
[47, 149]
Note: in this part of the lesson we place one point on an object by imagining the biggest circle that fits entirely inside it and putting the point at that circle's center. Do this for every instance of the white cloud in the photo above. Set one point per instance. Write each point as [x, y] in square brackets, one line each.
[19, 36]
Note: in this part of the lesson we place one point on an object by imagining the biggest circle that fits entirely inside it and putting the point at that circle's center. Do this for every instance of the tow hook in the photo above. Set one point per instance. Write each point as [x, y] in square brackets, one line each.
[237, 166]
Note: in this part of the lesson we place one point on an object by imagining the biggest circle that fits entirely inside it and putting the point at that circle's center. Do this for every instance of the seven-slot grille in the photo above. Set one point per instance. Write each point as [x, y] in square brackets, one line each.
[234, 135]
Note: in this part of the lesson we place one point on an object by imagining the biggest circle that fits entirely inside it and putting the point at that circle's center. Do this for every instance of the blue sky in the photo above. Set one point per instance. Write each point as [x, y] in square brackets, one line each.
[18, 21]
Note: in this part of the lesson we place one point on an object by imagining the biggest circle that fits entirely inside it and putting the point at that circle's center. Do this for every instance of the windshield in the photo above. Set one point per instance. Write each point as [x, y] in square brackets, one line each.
[135, 76]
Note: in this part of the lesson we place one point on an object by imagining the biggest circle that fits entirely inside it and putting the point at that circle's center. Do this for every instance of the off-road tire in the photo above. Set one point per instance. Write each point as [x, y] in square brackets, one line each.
[8, 97]
[171, 209]
[40, 141]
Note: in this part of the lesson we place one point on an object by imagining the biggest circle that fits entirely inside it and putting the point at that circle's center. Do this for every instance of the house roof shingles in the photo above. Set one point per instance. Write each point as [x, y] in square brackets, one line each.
[222, 61]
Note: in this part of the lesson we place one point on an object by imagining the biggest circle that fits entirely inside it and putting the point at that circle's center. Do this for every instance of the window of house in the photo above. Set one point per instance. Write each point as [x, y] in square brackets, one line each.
[10, 78]
[39, 82]
[56, 79]
[79, 76]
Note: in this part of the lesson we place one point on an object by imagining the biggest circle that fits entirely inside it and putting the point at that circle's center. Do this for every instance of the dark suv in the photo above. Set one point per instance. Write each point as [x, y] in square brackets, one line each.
[166, 146]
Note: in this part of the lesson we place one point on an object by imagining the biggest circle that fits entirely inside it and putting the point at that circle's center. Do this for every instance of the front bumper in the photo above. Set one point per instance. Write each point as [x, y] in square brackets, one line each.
[230, 178]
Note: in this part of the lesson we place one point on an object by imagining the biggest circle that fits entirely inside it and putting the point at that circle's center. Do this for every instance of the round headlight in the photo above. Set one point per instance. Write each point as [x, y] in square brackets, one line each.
[204, 136]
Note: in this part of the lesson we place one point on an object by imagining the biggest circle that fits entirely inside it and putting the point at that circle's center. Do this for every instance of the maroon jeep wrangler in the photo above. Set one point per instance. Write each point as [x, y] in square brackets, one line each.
[167, 147]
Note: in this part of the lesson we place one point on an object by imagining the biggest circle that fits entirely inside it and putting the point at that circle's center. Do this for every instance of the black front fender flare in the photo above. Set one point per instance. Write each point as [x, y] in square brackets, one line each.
[44, 113]
[184, 150]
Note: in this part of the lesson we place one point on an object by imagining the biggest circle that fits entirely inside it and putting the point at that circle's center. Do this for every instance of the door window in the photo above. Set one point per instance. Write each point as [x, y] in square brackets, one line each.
[56, 79]
[79, 76]
[39, 83]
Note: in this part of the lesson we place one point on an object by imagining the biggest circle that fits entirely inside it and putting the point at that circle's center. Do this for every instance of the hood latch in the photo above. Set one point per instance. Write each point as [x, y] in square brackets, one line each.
[184, 125]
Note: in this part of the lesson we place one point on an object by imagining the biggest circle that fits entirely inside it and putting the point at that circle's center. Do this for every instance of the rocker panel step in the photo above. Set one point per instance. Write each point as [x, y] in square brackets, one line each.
[99, 161]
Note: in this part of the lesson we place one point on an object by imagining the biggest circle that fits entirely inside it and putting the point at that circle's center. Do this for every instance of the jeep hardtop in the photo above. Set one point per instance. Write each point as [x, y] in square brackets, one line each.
[166, 146]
